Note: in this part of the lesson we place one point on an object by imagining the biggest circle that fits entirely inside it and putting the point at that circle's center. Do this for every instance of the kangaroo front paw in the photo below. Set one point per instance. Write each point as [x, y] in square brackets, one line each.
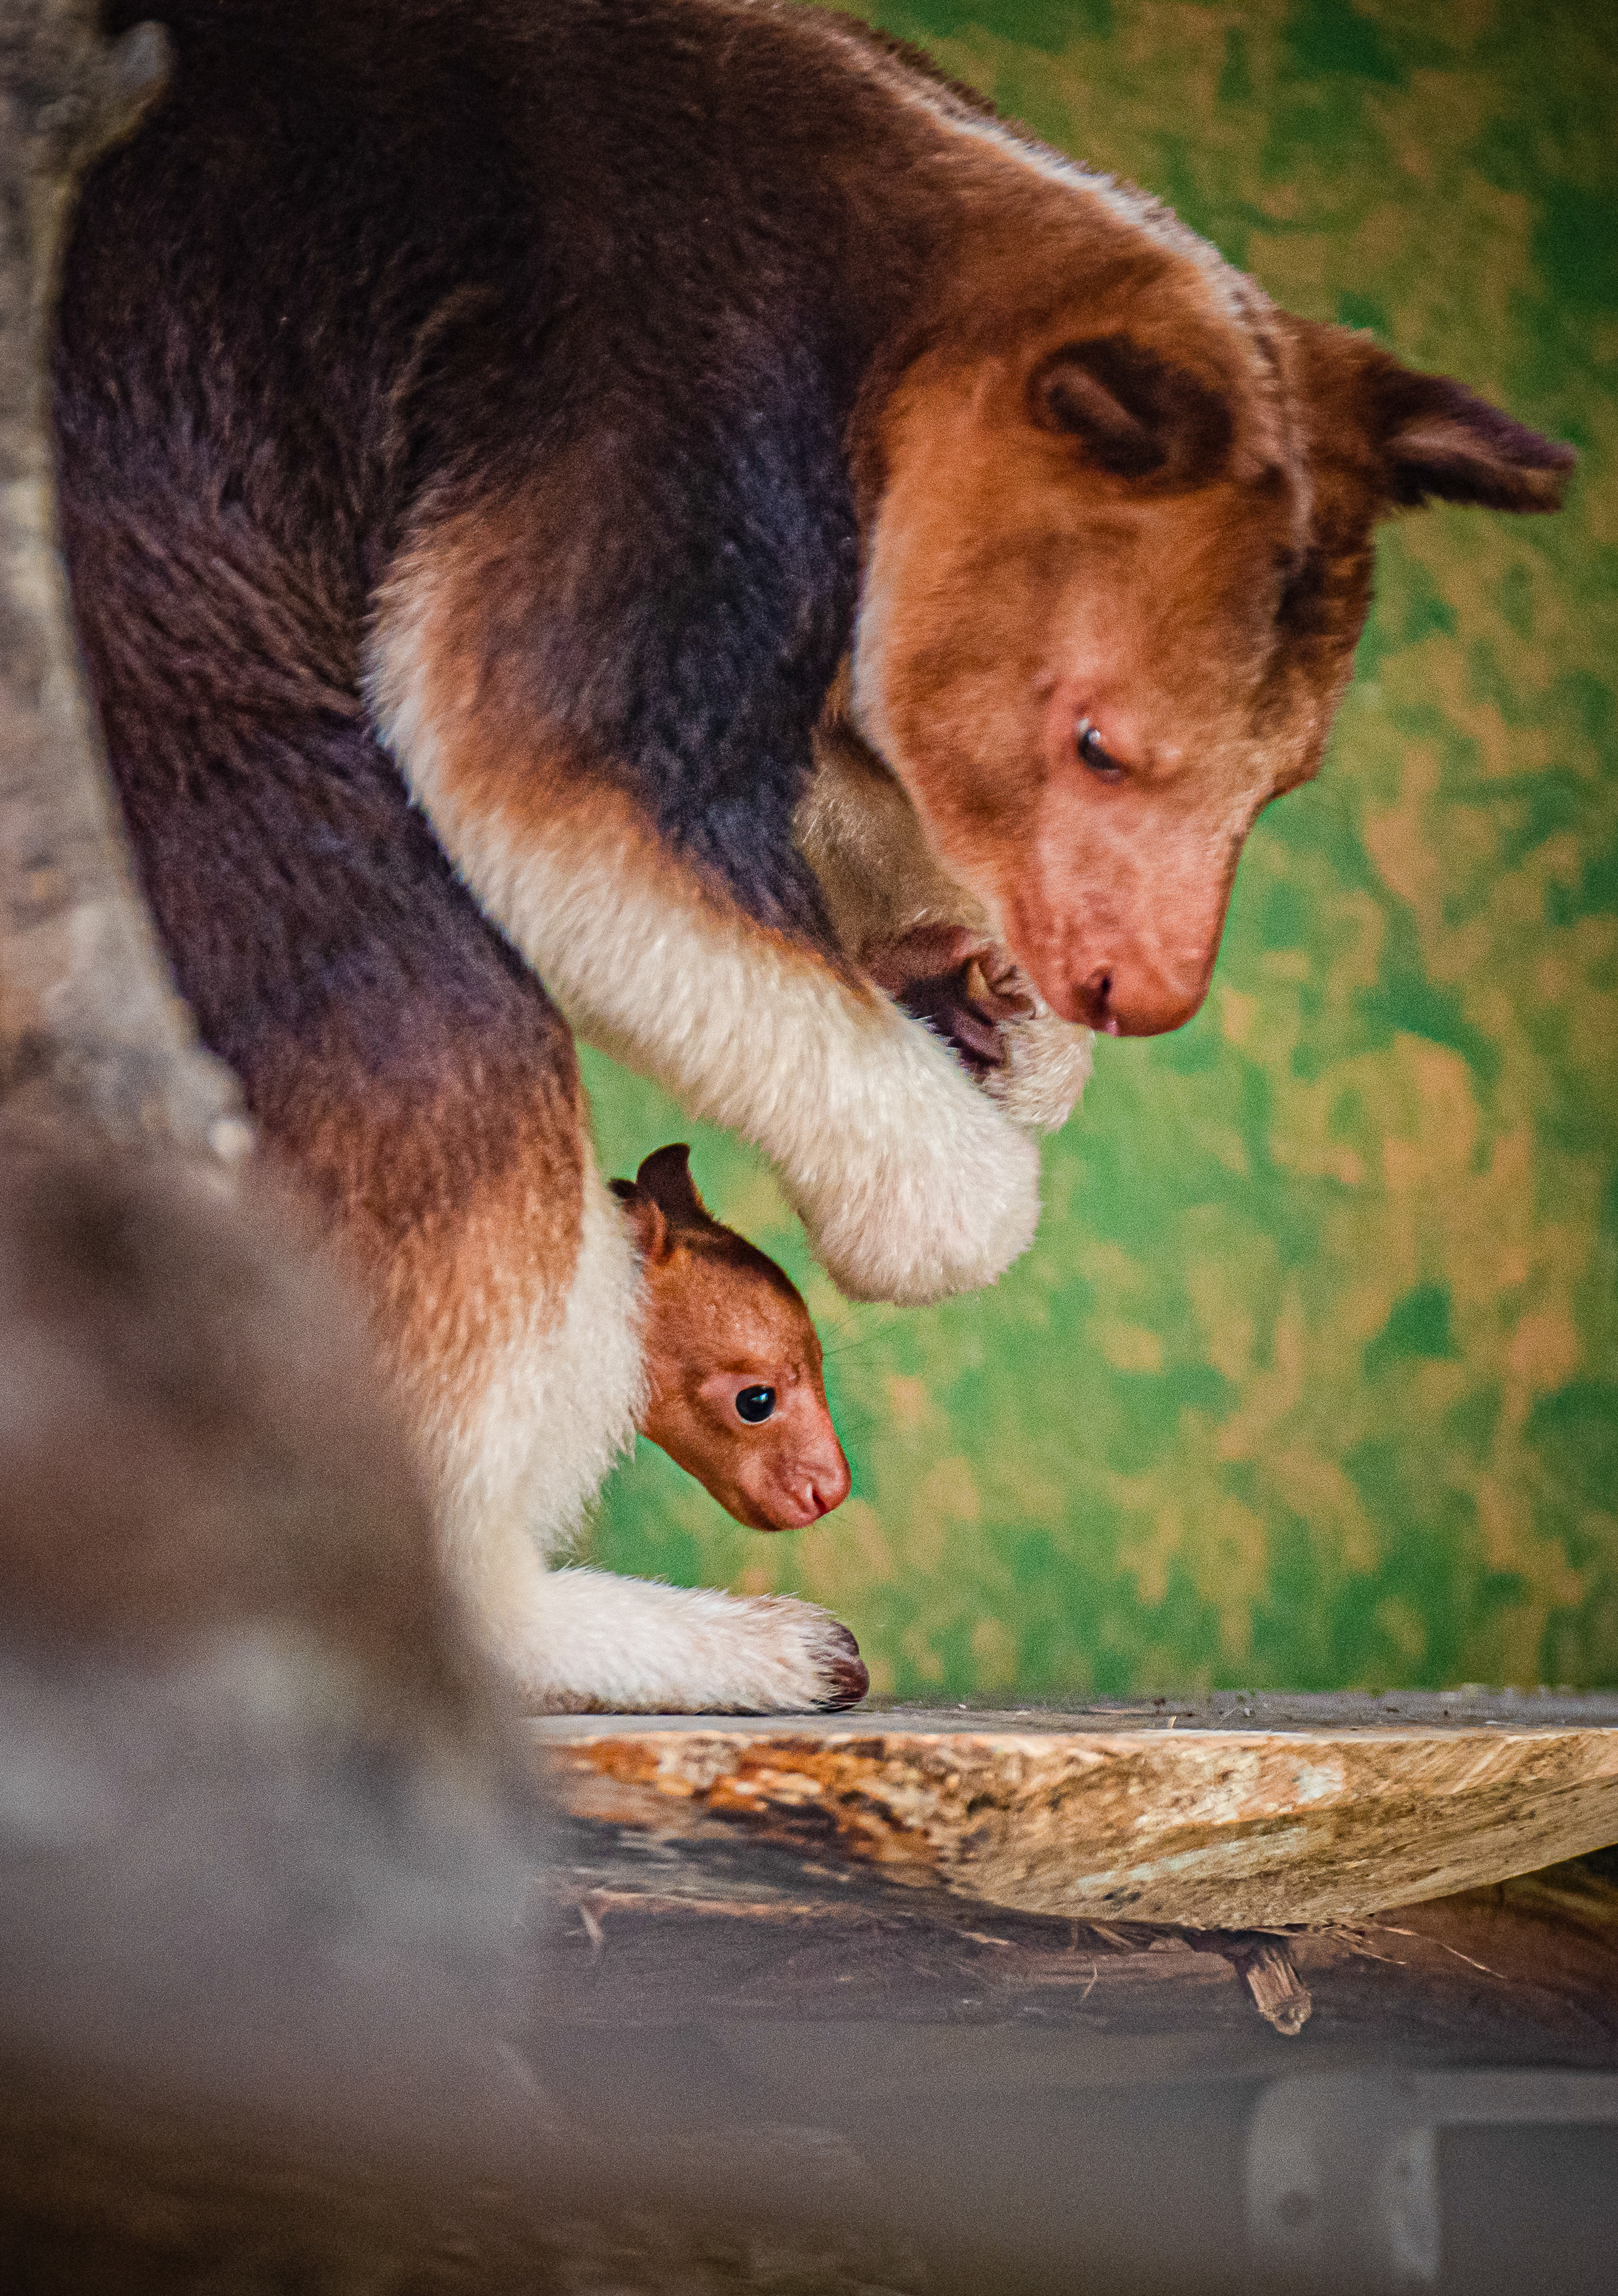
[772, 1654]
[971, 993]
[1046, 1069]
[596, 1644]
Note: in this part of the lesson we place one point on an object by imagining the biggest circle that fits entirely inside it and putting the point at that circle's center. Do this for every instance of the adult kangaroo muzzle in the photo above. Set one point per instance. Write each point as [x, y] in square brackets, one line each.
[1119, 523]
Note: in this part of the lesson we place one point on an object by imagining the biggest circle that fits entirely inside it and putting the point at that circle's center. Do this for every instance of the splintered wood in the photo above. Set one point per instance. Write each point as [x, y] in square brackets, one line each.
[1103, 1814]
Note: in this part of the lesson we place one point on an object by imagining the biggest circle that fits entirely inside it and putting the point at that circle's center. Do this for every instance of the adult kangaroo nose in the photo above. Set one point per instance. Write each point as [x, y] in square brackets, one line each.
[1124, 1000]
[1094, 1000]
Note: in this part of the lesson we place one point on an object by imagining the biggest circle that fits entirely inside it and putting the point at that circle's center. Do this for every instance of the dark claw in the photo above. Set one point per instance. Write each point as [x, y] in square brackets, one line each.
[849, 1680]
[941, 974]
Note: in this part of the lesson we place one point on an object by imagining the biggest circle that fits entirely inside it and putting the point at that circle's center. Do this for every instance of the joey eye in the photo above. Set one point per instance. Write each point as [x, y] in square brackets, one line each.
[754, 1405]
[1099, 761]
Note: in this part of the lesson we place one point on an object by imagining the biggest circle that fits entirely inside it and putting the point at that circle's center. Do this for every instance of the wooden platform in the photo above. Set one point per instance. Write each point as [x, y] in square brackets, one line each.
[1228, 1813]
[753, 2031]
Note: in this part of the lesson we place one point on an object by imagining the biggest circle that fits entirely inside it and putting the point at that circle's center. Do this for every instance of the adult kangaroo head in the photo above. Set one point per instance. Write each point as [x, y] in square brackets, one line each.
[1117, 513]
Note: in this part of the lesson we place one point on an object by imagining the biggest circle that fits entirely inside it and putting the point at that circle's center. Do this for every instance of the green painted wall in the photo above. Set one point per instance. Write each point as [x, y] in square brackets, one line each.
[1312, 1377]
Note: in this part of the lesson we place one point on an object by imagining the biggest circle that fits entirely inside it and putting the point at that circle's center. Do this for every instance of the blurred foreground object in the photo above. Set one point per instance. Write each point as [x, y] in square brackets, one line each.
[93, 1042]
[254, 1837]
[258, 1849]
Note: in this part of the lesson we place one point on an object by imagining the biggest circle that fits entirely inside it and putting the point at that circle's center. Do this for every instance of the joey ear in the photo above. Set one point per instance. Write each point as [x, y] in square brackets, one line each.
[665, 1179]
[1134, 414]
[646, 1217]
[1440, 439]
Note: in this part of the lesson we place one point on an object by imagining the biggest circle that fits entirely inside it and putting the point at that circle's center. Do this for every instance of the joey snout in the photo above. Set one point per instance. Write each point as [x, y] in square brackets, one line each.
[760, 1440]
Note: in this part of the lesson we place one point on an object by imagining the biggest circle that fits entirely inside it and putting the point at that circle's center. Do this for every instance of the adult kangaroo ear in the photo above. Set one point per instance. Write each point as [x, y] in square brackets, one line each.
[1134, 414]
[665, 1179]
[1439, 439]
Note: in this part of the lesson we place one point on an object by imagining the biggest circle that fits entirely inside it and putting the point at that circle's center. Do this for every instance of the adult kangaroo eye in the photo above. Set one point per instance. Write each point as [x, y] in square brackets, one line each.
[754, 1405]
[1100, 761]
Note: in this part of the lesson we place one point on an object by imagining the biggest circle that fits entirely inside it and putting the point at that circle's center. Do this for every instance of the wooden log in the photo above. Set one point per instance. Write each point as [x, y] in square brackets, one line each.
[1226, 1815]
[734, 2065]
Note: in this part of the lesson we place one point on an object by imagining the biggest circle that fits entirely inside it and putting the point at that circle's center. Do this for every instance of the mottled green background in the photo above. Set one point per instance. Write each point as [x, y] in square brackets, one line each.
[1312, 1377]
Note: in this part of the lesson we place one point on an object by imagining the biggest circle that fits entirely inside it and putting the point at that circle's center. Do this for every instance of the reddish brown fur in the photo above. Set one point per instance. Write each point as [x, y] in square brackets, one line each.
[721, 1318]
[1189, 579]
[453, 1193]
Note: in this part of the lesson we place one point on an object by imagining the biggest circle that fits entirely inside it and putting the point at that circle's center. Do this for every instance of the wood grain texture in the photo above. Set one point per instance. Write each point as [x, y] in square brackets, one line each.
[1202, 1818]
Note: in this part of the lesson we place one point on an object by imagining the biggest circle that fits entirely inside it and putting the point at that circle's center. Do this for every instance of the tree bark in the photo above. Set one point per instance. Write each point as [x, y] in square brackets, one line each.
[95, 1046]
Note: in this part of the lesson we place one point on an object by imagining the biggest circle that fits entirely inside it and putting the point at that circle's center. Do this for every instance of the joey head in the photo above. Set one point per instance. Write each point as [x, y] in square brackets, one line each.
[733, 1362]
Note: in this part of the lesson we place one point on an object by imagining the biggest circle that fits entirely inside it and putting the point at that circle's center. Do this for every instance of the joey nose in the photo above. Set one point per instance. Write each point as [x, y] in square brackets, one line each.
[831, 1484]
